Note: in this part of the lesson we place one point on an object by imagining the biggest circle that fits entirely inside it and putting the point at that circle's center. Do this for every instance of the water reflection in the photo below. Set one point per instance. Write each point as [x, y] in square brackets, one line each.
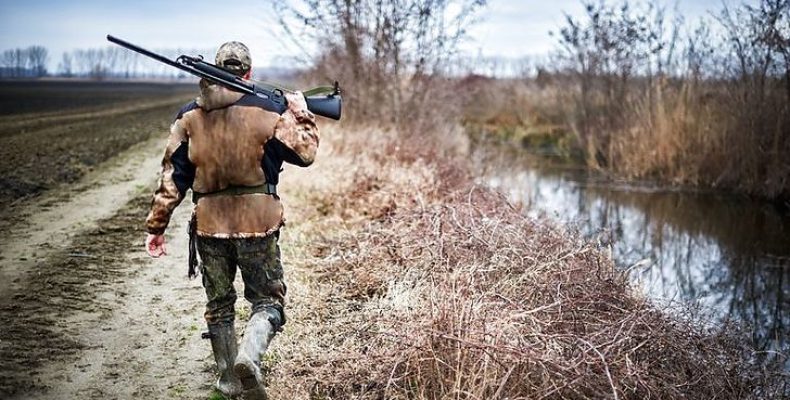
[729, 255]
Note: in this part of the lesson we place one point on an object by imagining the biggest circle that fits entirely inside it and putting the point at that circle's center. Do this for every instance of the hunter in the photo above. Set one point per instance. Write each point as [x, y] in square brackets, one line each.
[229, 150]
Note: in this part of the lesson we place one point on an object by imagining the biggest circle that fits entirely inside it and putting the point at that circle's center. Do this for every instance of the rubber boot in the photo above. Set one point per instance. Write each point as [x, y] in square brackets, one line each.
[260, 331]
[223, 343]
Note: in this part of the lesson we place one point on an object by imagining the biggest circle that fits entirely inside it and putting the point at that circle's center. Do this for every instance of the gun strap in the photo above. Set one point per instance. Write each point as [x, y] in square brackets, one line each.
[266, 188]
[310, 92]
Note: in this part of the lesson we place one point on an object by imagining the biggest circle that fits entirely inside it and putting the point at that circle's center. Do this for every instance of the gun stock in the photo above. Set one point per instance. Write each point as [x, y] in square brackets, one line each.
[327, 106]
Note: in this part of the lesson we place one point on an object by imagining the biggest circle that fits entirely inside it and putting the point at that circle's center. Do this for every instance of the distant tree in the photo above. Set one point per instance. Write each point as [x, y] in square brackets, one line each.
[20, 62]
[82, 62]
[111, 57]
[7, 63]
[97, 63]
[65, 66]
[37, 56]
[16, 62]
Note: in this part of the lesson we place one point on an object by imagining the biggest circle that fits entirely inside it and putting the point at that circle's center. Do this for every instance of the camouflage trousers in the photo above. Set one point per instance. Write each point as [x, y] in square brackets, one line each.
[261, 269]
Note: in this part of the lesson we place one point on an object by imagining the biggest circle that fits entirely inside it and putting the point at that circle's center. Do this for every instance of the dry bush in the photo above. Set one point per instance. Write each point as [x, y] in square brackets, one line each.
[705, 106]
[451, 292]
[390, 57]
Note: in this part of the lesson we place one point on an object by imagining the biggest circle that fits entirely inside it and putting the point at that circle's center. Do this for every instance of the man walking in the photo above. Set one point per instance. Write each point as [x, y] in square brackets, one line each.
[229, 150]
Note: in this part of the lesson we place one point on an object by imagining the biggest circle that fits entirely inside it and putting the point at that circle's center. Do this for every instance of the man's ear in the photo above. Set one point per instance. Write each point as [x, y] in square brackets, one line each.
[248, 75]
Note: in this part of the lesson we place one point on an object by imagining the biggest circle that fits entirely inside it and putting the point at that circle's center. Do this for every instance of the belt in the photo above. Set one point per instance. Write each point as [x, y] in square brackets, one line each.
[266, 188]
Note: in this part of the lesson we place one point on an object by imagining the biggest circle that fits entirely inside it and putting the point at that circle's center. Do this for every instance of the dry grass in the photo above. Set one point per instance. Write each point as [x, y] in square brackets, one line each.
[706, 104]
[530, 113]
[703, 134]
[417, 284]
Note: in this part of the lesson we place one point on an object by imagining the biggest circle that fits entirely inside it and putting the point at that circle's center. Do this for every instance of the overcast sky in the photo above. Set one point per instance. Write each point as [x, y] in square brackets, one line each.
[508, 28]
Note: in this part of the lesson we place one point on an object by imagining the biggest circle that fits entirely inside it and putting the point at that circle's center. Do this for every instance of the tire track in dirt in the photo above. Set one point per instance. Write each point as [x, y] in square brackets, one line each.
[147, 342]
[48, 223]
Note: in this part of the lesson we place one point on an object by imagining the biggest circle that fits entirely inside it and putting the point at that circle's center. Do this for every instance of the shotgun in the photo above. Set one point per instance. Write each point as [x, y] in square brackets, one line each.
[323, 100]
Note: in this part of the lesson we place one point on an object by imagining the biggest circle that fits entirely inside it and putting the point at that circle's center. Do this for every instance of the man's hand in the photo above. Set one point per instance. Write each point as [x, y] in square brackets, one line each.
[155, 245]
[296, 102]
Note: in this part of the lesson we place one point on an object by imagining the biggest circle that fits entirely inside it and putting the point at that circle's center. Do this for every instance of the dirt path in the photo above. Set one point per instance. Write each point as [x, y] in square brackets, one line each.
[149, 346]
[48, 223]
[89, 316]
[86, 314]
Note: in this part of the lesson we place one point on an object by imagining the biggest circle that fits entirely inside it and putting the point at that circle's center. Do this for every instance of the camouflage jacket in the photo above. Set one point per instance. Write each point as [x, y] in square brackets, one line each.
[227, 139]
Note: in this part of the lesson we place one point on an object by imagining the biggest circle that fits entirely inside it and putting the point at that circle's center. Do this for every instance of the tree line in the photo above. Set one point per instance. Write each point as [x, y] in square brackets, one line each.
[24, 62]
[94, 63]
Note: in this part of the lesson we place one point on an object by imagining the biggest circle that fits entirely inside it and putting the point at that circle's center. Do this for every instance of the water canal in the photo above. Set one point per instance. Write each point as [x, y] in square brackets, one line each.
[727, 256]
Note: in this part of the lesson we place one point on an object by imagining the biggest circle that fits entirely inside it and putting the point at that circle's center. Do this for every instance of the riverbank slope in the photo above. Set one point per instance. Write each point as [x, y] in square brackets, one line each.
[408, 280]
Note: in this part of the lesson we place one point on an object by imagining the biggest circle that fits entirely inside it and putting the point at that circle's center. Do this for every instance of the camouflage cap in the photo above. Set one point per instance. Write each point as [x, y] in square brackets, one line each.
[235, 57]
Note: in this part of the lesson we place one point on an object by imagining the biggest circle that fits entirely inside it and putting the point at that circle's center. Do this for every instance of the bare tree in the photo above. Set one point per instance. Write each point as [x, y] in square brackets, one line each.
[25, 62]
[386, 53]
[773, 20]
[96, 67]
[38, 57]
[65, 66]
[20, 62]
[8, 63]
[610, 50]
[699, 53]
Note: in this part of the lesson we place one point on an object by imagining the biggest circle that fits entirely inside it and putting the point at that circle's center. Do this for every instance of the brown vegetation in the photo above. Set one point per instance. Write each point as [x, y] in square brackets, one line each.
[650, 97]
[434, 288]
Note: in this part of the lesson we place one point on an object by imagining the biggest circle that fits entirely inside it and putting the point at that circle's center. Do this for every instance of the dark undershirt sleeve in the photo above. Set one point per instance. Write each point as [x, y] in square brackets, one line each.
[183, 169]
[275, 153]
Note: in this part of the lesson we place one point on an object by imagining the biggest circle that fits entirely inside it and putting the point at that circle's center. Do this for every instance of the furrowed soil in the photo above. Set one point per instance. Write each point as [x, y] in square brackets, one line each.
[53, 133]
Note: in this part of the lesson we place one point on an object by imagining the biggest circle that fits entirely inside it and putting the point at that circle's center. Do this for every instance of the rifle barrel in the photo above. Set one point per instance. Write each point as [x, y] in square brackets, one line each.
[144, 52]
[187, 68]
